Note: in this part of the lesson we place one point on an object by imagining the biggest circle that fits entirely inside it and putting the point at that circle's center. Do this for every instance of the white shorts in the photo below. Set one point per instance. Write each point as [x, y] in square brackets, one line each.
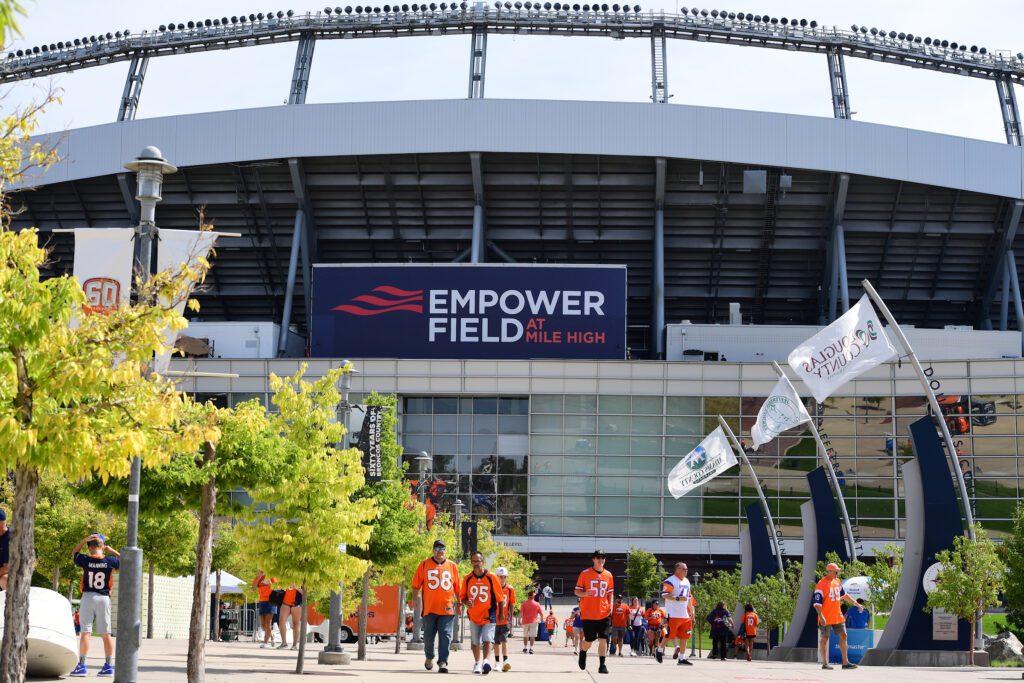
[94, 607]
[481, 633]
[530, 630]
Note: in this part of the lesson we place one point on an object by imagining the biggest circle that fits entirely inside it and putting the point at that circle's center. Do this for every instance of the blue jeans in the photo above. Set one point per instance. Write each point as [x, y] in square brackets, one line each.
[439, 625]
[547, 604]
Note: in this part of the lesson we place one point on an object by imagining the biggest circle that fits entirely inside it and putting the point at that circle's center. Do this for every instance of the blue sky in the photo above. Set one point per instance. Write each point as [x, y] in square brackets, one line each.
[535, 67]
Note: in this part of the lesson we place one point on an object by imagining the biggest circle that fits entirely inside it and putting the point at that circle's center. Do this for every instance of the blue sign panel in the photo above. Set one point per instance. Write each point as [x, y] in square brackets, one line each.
[469, 311]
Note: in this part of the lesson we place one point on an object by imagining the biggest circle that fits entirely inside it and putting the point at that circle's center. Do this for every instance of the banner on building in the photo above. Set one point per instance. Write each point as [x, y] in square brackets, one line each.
[705, 462]
[103, 266]
[469, 311]
[178, 248]
[850, 346]
[370, 442]
[782, 410]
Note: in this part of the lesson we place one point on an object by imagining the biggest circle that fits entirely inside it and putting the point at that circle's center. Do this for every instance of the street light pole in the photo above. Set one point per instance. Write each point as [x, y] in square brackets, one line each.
[334, 605]
[693, 641]
[459, 505]
[423, 460]
[150, 167]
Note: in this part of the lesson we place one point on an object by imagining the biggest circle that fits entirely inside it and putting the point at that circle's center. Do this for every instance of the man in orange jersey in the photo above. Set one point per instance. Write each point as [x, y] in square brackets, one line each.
[438, 578]
[828, 595]
[482, 594]
[675, 591]
[595, 588]
[503, 628]
[551, 624]
[620, 617]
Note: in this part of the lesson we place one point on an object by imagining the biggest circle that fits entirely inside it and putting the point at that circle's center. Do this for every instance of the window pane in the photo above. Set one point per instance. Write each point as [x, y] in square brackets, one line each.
[687, 506]
[486, 405]
[613, 445]
[512, 505]
[513, 406]
[578, 505]
[646, 425]
[687, 426]
[546, 424]
[576, 484]
[414, 443]
[579, 444]
[615, 486]
[613, 424]
[578, 464]
[683, 405]
[614, 405]
[644, 526]
[446, 405]
[545, 445]
[418, 424]
[446, 424]
[679, 445]
[485, 424]
[541, 403]
[545, 485]
[486, 444]
[647, 405]
[721, 405]
[578, 526]
[511, 484]
[546, 505]
[613, 465]
[645, 486]
[645, 465]
[646, 445]
[546, 464]
[580, 424]
[581, 404]
[645, 507]
[418, 406]
[545, 526]
[512, 424]
[612, 505]
[614, 526]
[681, 527]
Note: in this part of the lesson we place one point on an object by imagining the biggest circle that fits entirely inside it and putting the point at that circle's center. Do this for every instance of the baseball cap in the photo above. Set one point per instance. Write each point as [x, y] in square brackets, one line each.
[3, 515]
[501, 571]
[832, 565]
[103, 539]
[598, 553]
[439, 544]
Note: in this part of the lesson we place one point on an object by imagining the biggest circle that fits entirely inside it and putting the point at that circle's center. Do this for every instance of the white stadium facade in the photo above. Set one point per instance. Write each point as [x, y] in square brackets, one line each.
[733, 227]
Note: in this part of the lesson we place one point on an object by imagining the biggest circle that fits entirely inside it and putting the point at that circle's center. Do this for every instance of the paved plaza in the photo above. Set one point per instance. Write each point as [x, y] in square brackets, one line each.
[244, 662]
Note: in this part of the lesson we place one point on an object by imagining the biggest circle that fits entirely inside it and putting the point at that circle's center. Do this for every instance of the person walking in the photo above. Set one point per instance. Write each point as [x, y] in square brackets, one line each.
[503, 628]
[828, 594]
[749, 629]
[437, 578]
[637, 638]
[551, 624]
[655, 617]
[290, 612]
[5, 550]
[267, 610]
[483, 595]
[529, 615]
[97, 576]
[595, 588]
[577, 630]
[675, 590]
[620, 622]
[721, 630]
[568, 631]
[548, 592]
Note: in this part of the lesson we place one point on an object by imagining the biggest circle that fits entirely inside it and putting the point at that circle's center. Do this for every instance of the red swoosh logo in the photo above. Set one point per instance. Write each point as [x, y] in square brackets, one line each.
[377, 301]
[356, 310]
[395, 291]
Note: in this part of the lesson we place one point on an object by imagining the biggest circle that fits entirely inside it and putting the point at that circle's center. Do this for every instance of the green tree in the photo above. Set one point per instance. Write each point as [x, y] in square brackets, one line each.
[74, 400]
[1012, 551]
[390, 539]
[884, 578]
[312, 503]
[169, 540]
[970, 579]
[225, 557]
[643, 578]
[771, 599]
[721, 586]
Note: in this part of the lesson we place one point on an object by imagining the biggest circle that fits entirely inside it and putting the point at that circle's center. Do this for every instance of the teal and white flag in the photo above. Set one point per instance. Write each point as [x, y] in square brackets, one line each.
[781, 411]
[705, 462]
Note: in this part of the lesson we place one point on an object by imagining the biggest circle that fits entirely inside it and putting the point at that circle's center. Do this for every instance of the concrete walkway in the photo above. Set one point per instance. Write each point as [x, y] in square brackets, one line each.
[244, 662]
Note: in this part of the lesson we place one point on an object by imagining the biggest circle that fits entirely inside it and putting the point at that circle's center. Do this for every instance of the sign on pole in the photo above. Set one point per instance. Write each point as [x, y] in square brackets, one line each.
[370, 442]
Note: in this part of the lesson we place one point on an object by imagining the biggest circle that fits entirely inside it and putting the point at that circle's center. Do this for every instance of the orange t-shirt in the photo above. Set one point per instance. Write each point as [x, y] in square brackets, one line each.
[484, 595]
[505, 608]
[828, 593]
[264, 586]
[596, 602]
[655, 617]
[439, 583]
[620, 614]
[750, 622]
[551, 623]
[568, 625]
[289, 596]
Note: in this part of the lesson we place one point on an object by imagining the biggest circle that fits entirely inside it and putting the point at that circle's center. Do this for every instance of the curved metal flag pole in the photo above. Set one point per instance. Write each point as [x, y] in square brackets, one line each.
[760, 492]
[932, 401]
[850, 541]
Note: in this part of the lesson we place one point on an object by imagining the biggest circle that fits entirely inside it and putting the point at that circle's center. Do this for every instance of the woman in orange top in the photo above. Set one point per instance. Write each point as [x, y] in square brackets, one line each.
[655, 625]
[750, 622]
[568, 630]
[291, 610]
[551, 624]
[263, 585]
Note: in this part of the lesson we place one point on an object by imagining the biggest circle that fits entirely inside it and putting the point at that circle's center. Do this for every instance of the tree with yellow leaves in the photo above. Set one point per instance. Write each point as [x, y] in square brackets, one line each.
[311, 506]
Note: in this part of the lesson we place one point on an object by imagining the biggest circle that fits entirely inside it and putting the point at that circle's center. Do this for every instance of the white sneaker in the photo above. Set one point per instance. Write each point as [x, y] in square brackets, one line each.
[478, 668]
[262, 645]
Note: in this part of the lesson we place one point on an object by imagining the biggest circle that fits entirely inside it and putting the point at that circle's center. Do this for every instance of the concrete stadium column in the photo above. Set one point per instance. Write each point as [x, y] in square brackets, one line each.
[289, 290]
[478, 247]
[658, 263]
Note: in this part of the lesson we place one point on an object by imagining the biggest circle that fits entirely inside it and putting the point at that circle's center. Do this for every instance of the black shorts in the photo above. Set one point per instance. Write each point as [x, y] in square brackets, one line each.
[501, 634]
[594, 629]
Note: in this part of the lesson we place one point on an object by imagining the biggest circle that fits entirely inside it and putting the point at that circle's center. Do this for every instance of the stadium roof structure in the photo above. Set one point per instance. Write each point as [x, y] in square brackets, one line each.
[706, 206]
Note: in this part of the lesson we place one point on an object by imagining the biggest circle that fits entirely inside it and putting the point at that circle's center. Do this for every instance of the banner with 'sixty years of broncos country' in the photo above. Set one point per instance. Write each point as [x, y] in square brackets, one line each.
[480, 311]
[713, 456]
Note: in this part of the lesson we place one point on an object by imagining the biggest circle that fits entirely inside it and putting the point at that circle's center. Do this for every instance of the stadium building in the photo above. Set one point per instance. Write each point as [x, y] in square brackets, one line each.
[737, 233]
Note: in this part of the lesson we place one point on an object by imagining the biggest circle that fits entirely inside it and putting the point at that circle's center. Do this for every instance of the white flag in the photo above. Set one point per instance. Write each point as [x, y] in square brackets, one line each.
[782, 410]
[178, 247]
[705, 462]
[103, 267]
[849, 347]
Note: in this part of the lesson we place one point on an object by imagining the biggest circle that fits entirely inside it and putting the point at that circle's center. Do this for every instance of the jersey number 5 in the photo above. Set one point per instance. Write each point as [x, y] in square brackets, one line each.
[482, 593]
[600, 587]
[438, 579]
